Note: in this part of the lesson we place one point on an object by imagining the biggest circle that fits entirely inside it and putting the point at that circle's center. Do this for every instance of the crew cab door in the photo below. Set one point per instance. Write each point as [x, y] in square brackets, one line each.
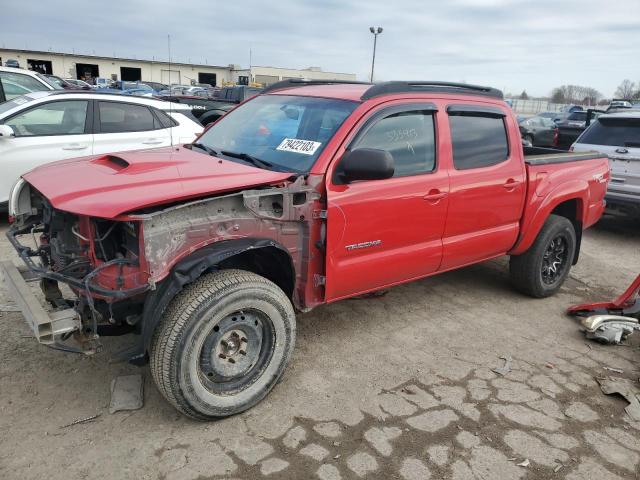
[126, 126]
[384, 232]
[487, 193]
[45, 133]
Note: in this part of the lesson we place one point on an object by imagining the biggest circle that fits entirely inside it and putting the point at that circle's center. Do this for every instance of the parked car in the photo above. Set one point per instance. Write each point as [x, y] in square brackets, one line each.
[62, 83]
[617, 104]
[307, 194]
[128, 88]
[208, 110]
[618, 136]
[44, 127]
[79, 83]
[157, 86]
[15, 82]
[539, 131]
[102, 82]
[12, 63]
[571, 127]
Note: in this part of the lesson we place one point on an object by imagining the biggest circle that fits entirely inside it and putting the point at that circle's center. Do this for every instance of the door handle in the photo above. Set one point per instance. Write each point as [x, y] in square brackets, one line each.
[152, 141]
[511, 184]
[74, 146]
[434, 196]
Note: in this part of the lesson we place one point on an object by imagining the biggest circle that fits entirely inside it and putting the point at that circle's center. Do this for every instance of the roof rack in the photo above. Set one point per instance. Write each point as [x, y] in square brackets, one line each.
[302, 82]
[387, 88]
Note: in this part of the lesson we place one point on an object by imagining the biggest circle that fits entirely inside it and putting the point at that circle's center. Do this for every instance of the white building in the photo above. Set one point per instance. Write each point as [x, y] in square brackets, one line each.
[67, 65]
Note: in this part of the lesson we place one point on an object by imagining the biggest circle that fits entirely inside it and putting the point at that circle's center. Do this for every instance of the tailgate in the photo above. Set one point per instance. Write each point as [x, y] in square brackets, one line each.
[625, 174]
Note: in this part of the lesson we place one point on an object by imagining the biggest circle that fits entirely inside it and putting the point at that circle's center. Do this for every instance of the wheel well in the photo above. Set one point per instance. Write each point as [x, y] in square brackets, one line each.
[570, 210]
[269, 262]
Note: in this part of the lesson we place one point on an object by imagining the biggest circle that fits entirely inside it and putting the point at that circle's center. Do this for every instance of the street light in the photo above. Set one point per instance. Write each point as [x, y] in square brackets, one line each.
[376, 31]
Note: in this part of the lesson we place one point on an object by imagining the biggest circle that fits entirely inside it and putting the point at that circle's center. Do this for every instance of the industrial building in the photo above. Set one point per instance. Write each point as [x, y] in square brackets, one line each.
[88, 67]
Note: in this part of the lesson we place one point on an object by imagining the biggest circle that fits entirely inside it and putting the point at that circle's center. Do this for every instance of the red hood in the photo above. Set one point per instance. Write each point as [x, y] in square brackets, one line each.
[109, 185]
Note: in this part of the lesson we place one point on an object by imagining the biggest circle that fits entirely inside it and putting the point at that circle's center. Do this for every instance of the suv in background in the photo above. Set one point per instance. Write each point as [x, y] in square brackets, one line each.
[618, 136]
[15, 82]
[12, 63]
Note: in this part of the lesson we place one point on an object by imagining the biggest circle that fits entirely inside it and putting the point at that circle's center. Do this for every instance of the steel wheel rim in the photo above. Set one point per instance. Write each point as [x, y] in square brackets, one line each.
[235, 351]
[555, 260]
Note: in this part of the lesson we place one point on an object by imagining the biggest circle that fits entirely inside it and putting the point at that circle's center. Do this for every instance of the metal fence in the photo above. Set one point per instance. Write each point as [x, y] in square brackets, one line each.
[535, 106]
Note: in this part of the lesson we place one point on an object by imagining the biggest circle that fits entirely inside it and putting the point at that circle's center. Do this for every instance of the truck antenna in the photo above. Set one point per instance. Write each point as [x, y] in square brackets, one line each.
[170, 101]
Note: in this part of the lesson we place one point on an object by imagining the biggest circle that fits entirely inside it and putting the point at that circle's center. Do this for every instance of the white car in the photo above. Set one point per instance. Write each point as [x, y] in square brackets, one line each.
[16, 81]
[43, 127]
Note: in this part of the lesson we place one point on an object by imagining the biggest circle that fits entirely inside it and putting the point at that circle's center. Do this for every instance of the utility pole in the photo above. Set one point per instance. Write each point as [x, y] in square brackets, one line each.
[376, 31]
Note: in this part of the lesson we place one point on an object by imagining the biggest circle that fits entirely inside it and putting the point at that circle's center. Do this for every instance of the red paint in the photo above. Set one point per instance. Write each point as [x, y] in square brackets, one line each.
[418, 225]
[96, 187]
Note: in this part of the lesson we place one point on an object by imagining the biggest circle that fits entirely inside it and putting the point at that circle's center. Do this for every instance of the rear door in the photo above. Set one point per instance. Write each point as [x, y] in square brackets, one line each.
[45, 133]
[384, 232]
[124, 126]
[487, 185]
[617, 136]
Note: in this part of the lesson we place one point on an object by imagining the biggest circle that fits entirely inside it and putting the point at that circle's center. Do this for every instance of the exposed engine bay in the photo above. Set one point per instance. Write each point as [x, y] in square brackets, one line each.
[111, 265]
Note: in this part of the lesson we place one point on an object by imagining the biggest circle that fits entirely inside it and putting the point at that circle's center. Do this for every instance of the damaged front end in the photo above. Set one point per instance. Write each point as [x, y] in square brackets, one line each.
[122, 273]
[97, 259]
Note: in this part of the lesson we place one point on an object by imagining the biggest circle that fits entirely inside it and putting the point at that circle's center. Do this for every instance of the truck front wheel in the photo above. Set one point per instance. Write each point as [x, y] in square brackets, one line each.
[222, 344]
[541, 270]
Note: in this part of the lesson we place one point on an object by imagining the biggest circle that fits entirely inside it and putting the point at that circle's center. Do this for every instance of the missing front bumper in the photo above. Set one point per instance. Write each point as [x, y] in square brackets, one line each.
[49, 328]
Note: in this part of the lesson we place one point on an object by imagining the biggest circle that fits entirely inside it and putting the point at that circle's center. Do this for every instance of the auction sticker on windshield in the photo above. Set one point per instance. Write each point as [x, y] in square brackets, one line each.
[306, 147]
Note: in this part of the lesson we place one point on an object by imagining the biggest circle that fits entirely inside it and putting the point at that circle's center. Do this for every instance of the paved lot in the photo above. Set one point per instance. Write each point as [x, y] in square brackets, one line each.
[398, 386]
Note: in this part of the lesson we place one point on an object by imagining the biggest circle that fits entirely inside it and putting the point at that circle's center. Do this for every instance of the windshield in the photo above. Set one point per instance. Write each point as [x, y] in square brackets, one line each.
[618, 132]
[288, 132]
[580, 116]
[53, 81]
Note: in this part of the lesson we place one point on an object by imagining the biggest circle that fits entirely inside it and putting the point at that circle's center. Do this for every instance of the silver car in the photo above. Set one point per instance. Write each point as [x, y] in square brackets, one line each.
[618, 136]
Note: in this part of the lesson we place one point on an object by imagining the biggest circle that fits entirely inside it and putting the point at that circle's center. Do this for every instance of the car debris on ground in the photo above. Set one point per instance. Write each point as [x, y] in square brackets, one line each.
[628, 389]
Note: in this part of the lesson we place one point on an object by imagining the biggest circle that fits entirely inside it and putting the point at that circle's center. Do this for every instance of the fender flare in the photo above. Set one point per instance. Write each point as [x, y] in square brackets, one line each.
[184, 272]
[545, 208]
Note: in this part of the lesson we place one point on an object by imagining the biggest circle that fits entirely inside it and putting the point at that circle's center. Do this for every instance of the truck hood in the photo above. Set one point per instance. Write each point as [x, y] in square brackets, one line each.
[110, 185]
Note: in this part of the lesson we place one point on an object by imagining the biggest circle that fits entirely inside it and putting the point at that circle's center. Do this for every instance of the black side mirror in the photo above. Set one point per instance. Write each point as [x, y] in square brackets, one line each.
[364, 164]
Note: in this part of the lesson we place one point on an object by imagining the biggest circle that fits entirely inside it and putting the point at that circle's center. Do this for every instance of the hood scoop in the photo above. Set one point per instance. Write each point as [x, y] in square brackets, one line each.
[112, 162]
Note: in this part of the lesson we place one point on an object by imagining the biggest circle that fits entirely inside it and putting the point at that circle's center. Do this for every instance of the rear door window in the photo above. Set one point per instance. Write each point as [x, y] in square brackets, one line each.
[478, 140]
[618, 132]
[125, 117]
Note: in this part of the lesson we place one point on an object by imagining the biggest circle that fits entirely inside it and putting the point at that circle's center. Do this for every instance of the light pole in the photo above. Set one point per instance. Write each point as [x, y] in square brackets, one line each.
[376, 31]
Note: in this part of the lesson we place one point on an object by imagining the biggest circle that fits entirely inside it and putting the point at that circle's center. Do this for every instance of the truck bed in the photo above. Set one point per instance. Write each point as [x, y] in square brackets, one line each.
[546, 156]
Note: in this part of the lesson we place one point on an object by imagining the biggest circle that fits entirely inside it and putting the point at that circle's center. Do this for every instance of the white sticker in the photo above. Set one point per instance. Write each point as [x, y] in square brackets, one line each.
[20, 100]
[306, 147]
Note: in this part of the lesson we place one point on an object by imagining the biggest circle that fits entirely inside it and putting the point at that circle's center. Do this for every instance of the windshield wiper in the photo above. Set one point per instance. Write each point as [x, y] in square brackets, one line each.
[207, 149]
[248, 158]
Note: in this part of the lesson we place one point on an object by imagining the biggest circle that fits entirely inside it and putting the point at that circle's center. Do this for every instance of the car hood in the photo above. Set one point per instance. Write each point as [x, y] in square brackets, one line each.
[110, 185]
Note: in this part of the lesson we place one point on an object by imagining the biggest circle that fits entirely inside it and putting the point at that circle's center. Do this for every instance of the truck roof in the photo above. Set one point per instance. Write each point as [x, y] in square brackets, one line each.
[361, 91]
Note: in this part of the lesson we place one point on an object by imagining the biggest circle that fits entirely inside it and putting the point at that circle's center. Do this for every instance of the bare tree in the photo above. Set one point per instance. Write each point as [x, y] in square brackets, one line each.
[626, 90]
[575, 94]
[524, 96]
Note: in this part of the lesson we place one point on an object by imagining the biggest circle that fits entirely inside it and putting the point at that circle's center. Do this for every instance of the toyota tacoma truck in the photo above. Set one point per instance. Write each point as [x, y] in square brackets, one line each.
[309, 193]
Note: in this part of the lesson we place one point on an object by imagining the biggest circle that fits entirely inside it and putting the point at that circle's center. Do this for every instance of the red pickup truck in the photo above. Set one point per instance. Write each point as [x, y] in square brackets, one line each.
[309, 193]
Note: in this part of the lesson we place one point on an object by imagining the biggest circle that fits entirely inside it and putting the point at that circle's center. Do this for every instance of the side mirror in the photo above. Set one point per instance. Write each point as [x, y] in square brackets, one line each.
[6, 131]
[364, 164]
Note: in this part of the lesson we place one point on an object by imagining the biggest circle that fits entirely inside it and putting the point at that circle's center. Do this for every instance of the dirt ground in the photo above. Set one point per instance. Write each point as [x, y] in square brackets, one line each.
[398, 386]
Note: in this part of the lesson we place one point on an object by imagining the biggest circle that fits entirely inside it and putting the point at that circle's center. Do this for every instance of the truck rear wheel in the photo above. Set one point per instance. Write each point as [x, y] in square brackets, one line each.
[541, 270]
[222, 344]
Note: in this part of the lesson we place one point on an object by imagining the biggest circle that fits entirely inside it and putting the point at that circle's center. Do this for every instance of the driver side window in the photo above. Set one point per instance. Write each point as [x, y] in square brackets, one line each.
[410, 139]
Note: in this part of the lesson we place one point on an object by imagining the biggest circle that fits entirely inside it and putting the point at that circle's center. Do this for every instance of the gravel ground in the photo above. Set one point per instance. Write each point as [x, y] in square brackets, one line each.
[399, 386]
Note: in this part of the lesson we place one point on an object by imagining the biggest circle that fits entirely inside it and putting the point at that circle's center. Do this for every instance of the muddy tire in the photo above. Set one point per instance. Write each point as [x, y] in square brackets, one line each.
[222, 344]
[541, 270]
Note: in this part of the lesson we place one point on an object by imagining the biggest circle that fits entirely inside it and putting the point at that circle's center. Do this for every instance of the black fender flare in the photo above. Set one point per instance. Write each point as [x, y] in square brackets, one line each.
[184, 272]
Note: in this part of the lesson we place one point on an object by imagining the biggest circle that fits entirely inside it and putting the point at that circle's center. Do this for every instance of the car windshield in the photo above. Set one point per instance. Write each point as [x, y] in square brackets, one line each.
[579, 116]
[50, 81]
[618, 132]
[288, 132]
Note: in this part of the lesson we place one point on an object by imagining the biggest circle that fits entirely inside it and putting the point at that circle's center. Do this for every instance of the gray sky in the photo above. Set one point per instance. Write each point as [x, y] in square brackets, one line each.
[509, 44]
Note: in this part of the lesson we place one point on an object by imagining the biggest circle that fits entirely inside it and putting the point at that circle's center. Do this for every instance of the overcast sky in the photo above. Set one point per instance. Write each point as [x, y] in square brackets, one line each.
[509, 44]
